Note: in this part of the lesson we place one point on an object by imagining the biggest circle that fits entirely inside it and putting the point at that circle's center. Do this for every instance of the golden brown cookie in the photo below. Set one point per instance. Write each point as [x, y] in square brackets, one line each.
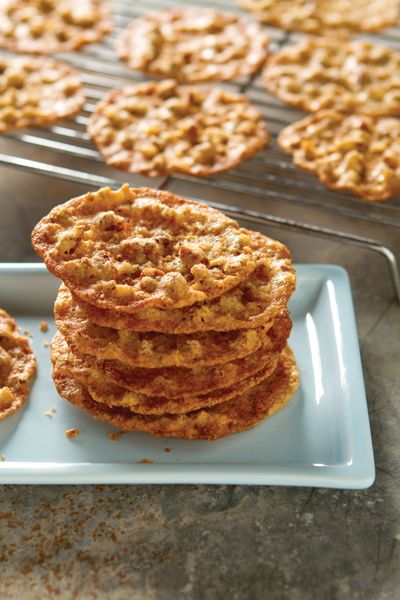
[160, 128]
[49, 26]
[323, 17]
[350, 152]
[193, 45]
[37, 92]
[353, 76]
[152, 349]
[252, 303]
[112, 394]
[17, 367]
[178, 382]
[245, 411]
[137, 248]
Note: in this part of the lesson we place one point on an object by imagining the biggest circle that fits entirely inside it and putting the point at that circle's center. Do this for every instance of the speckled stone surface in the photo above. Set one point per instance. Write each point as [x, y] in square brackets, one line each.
[224, 542]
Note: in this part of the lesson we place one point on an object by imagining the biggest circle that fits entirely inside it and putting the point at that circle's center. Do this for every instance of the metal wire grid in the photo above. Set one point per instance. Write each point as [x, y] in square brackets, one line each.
[269, 174]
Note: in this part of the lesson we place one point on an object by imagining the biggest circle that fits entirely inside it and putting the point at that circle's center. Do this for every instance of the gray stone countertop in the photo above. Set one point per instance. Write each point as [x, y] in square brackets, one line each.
[217, 542]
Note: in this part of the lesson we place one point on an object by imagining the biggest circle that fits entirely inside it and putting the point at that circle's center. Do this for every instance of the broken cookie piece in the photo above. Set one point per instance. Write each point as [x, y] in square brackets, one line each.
[72, 433]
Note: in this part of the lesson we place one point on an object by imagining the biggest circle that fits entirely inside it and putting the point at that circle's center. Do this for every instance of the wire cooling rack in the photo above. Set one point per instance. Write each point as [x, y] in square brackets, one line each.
[269, 175]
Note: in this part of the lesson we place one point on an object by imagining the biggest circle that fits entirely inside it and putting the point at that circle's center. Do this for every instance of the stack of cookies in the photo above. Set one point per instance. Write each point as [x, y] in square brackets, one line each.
[172, 318]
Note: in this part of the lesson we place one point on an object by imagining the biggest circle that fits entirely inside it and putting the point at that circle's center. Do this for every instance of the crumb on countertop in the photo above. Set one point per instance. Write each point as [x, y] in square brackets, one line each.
[146, 461]
[72, 433]
[115, 435]
[43, 326]
[167, 449]
[51, 411]
[2, 457]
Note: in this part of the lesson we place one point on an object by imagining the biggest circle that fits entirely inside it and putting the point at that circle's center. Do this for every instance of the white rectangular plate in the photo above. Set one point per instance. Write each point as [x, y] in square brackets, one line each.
[322, 438]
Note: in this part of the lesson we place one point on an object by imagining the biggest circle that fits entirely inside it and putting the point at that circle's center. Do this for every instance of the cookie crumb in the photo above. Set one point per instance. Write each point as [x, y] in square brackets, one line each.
[46, 343]
[167, 449]
[115, 435]
[51, 411]
[43, 326]
[146, 461]
[28, 333]
[2, 458]
[72, 433]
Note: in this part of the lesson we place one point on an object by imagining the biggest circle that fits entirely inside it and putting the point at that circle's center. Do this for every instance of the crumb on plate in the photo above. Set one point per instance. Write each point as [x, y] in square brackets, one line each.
[146, 461]
[115, 435]
[167, 449]
[43, 326]
[72, 433]
[51, 411]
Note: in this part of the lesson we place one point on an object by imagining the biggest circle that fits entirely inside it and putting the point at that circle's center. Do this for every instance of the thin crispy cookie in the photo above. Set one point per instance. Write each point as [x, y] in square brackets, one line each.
[49, 26]
[17, 367]
[105, 391]
[356, 152]
[137, 248]
[152, 349]
[178, 382]
[194, 45]
[324, 17]
[252, 303]
[245, 411]
[353, 76]
[160, 128]
[37, 92]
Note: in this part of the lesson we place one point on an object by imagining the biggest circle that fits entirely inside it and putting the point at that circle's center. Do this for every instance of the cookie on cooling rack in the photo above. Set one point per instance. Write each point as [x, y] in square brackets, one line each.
[37, 92]
[359, 153]
[160, 128]
[49, 26]
[324, 17]
[137, 248]
[17, 367]
[353, 76]
[193, 45]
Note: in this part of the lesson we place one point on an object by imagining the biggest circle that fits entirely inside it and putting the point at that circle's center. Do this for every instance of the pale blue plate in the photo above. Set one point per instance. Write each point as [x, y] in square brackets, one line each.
[322, 438]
